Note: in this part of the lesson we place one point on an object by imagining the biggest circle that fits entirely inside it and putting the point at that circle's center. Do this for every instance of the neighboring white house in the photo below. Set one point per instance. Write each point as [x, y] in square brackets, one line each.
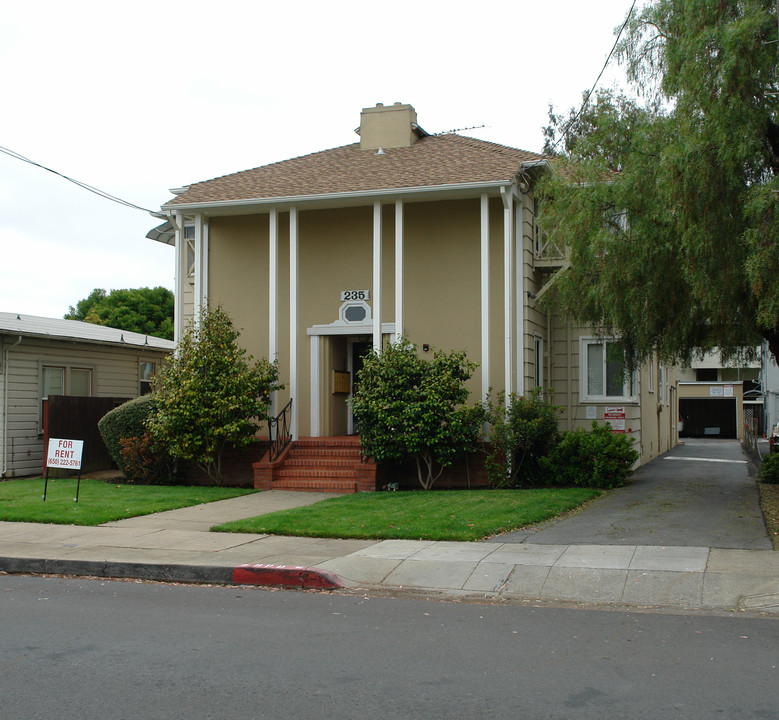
[40, 357]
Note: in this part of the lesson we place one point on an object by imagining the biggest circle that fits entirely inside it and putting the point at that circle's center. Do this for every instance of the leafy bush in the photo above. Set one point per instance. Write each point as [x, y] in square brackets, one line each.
[521, 434]
[596, 458]
[406, 406]
[145, 462]
[211, 395]
[769, 469]
[126, 421]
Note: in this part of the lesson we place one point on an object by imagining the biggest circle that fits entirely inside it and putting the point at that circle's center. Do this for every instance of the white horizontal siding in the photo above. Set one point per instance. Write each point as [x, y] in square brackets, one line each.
[115, 373]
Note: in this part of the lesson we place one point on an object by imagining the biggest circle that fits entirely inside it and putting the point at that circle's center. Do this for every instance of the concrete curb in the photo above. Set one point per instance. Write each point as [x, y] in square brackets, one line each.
[287, 576]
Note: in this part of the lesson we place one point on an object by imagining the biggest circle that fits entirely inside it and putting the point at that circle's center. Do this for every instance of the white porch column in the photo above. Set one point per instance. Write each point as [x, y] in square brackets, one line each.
[198, 247]
[485, 296]
[315, 386]
[399, 330]
[293, 320]
[377, 276]
[508, 291]
[273, 298]
[204, 279]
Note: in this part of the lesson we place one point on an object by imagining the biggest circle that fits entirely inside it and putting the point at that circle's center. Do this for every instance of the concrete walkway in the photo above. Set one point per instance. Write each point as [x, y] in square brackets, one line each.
[177, 546]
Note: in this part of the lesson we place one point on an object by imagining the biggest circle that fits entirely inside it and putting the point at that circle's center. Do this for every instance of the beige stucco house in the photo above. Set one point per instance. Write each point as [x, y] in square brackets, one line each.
[433, 237]
[44, 357]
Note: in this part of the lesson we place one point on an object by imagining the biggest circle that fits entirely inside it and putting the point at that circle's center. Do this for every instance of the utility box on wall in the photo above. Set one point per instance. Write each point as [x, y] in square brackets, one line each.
[342, 381]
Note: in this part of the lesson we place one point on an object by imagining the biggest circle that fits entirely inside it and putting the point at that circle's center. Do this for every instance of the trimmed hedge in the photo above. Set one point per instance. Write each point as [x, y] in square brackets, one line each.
[597, 458]
[126, 421]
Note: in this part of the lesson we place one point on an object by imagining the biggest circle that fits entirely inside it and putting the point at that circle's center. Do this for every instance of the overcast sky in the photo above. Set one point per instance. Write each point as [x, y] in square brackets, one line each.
[139, 97]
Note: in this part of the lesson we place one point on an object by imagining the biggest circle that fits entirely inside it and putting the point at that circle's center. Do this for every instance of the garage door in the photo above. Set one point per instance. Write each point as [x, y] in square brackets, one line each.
[708, 417]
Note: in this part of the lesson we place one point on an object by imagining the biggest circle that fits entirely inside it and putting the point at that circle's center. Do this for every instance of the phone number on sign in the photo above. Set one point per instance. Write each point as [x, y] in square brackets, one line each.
[60, 462]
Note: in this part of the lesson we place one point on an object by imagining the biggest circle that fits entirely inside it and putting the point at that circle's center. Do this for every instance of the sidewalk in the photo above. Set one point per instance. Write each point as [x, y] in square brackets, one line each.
[177, 546]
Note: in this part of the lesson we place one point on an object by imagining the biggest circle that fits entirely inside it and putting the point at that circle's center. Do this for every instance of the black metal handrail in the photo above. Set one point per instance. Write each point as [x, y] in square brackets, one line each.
[282, 436]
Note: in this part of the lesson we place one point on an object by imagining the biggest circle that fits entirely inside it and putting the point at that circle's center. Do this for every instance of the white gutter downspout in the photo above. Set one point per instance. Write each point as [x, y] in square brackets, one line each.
[485, 294]
[521, 295]
[6, 352]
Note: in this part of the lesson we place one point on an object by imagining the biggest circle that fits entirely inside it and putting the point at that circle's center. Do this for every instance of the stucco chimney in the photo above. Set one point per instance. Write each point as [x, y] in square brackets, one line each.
[388, 127]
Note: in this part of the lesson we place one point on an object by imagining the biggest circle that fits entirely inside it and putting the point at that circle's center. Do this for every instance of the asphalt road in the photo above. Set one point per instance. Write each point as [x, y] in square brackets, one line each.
[73, 648]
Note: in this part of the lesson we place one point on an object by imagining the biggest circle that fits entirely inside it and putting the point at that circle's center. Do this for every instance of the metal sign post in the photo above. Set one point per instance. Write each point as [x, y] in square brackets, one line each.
[64, 454]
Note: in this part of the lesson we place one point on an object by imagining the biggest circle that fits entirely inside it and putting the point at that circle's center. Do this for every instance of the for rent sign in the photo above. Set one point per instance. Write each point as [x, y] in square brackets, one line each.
[64, 453]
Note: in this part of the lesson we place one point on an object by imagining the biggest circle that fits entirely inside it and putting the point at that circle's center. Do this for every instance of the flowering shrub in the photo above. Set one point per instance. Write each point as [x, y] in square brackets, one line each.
[596, 458]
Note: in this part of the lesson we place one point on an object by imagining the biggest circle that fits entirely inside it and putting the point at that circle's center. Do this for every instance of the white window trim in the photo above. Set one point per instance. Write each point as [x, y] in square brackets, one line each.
[141, 379]
[626, 397]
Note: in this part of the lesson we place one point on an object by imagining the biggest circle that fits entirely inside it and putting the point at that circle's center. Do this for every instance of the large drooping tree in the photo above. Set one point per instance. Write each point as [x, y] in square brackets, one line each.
[668, 203]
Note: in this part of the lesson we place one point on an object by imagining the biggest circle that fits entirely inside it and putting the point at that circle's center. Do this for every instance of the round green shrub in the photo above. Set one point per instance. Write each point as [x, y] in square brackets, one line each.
[769, 469]
[597, 458]
[126, 421]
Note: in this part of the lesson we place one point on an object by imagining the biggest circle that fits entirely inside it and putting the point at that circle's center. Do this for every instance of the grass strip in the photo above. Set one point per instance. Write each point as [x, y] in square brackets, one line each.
[418, 515]
[98, 501]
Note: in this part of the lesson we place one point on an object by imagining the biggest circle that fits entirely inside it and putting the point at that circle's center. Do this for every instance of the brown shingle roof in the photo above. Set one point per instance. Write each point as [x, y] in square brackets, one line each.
[431, 161]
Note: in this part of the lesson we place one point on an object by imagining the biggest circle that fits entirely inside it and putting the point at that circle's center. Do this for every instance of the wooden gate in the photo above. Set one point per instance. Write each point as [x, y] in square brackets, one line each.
[75, 418]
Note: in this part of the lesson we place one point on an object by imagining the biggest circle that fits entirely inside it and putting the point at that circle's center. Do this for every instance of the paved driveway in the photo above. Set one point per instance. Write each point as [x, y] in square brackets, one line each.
[700, 494]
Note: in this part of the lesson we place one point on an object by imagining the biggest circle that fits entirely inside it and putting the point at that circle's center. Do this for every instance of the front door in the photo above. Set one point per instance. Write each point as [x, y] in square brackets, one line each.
[358, 349]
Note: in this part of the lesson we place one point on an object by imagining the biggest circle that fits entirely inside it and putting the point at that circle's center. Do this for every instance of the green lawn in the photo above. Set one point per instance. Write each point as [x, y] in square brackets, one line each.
[98, 501]
[434, 515]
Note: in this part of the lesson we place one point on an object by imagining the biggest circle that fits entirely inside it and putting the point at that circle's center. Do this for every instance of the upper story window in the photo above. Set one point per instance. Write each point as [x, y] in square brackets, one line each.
[189, 238]
[603, 375]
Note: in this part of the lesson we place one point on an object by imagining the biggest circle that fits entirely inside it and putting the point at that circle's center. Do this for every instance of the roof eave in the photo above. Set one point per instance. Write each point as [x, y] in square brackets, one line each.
[351, 197]
[91, 341]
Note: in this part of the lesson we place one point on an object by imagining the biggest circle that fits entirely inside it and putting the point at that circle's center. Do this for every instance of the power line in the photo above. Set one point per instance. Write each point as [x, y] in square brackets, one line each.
[90, 188]
[597, 80]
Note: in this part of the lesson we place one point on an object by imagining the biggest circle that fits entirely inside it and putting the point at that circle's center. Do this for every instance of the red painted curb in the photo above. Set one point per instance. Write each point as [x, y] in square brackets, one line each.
[285, 576]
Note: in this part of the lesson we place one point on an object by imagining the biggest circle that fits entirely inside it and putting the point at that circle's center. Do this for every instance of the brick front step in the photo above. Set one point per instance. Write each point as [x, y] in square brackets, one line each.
[318, 465]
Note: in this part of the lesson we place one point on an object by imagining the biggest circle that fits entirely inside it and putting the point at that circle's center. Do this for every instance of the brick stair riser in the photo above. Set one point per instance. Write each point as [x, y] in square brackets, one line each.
[336, 445]
[325, 453]
[321, 463]
[287, 472]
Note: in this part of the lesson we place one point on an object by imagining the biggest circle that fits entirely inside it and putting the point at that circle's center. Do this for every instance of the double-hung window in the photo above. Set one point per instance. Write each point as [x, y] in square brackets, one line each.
[603, 375]
[146, 371]
[57, 380]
